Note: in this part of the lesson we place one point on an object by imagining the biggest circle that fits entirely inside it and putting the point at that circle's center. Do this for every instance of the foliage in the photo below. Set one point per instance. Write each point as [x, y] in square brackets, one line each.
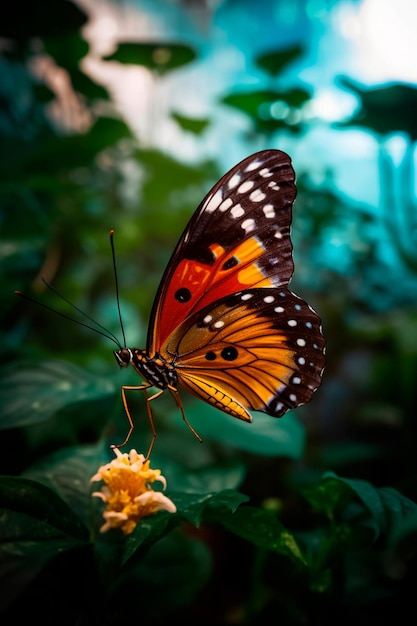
[264, 531]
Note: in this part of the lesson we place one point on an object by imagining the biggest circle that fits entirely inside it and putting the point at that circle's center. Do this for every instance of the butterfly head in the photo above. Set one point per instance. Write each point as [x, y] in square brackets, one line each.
[123, 356]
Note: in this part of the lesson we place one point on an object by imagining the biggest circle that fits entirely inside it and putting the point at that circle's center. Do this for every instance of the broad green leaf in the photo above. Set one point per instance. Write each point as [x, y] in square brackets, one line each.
[32, 392]
[263, 528]
[36, 528]
[68, 473]
[384, 110]
[164, 579]
[387, 506]
[31, 511]
[158, 57]
[194, 508]
[67, 50]
[264, 436]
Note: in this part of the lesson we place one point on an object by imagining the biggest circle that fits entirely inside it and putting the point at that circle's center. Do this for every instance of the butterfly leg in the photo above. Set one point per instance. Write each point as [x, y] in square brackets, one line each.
[179, 404]
[143, 388]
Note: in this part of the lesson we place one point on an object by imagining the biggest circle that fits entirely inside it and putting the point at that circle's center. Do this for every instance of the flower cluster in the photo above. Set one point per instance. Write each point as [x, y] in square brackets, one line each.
[128, 493]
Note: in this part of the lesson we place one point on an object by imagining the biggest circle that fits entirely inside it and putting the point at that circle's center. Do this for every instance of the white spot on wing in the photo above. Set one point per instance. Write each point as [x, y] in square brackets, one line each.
[273, 185]
[244, 187]
[213, 201]
[253, 165]
[226, 204]
[248, 225]
[257, 196]
[265, 172]
[269, 299]
[218, 324]
[237, 211]
[269, 211]
[235, 180]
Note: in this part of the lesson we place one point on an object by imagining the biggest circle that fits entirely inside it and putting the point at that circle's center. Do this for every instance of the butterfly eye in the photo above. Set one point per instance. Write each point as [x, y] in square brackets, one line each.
[123, 357]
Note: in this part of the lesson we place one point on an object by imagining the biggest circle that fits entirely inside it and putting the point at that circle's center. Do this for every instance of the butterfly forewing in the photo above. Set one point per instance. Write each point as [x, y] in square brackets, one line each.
[239, 238]
[259, 349]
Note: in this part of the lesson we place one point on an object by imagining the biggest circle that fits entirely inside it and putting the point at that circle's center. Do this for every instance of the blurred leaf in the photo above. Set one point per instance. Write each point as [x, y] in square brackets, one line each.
[175, 174]
[54, 155]
[387, 506]
[24, 20]
[192, 125]
[32, 392]
[68, 472]
[43, 93]
[165, 579]
[67, 50]
[37, 527]
[276, 61]
[266, 436]
[32, 511]
[384, 110]
[263, 528]
[87, 87]
[329, 495]
[270, 110]
[160, 57]
[402, 547]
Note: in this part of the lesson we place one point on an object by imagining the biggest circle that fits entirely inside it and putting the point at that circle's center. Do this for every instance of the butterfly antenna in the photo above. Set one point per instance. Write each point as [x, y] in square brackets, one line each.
[116, 282]
[104, 332]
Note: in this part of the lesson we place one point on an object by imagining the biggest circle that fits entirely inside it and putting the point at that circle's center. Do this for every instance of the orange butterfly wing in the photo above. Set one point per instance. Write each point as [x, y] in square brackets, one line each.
[239, 237]
[259, 349]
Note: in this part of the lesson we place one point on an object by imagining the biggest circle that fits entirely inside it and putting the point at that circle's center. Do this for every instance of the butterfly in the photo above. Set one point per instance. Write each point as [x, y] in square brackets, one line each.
[224, 325]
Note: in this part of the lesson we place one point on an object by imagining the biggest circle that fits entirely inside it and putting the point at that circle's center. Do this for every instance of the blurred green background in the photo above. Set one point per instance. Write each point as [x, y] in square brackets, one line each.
[121, 115]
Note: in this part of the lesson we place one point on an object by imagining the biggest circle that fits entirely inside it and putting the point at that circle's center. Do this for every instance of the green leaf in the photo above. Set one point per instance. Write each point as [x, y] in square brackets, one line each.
[387, 506]
[194, 508]
[270, 110]
[32, 392]
[68, 472]
[31, 511]
[37, 528]
[158, 57]
[384, 110]
[263, 528]
[164, 579]
[192, 125]
[329, 495]
[276, 61]
[265, 436]
[67, 50]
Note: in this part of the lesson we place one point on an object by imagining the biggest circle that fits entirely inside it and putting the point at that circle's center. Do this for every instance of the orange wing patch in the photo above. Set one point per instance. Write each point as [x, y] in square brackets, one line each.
[260, 349]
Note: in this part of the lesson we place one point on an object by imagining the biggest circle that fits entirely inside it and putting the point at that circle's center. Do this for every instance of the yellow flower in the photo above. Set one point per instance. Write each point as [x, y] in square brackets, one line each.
[127, 492]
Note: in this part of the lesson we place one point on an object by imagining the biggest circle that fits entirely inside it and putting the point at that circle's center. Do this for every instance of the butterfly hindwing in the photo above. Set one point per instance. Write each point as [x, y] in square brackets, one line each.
[259, 349]
[238, 238]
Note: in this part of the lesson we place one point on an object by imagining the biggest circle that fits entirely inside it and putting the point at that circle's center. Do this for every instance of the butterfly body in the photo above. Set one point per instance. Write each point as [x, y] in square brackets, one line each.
[224, 325]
